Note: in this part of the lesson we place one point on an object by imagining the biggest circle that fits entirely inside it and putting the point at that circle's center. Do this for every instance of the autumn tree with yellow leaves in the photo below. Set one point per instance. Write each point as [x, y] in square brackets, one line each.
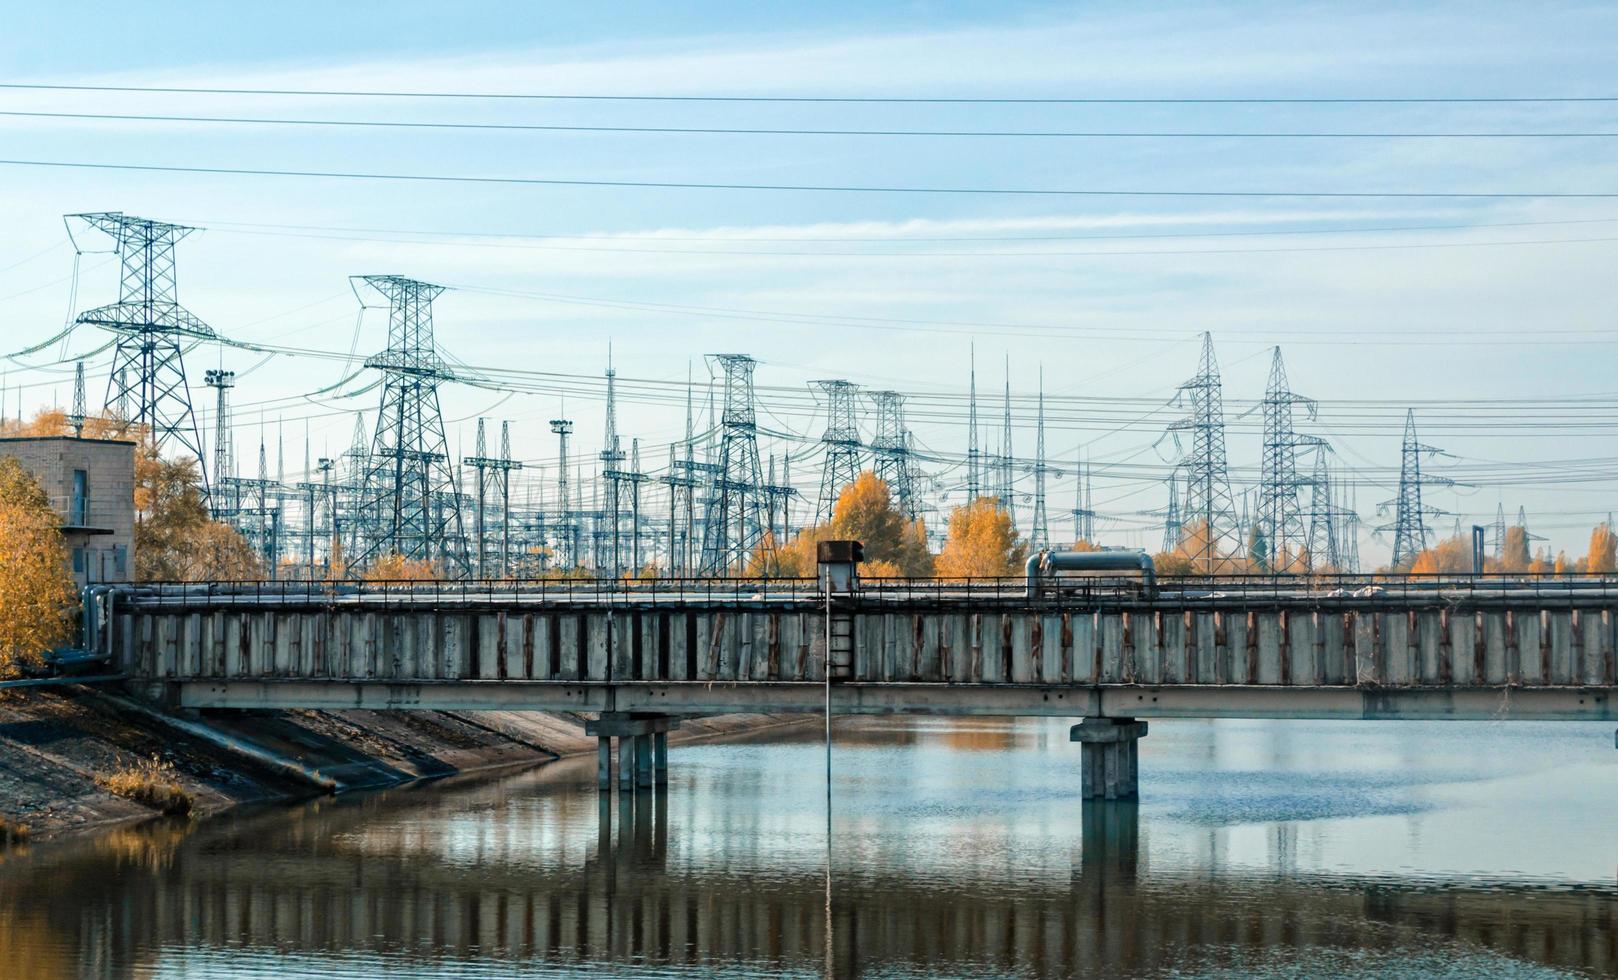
[175, 538]
[395, 567]
[982, 542]
[37, 594]
[1603, 555]
[895, 546]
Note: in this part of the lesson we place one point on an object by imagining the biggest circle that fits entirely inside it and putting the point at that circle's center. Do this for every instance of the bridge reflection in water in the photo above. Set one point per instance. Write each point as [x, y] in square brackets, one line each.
[539, 871]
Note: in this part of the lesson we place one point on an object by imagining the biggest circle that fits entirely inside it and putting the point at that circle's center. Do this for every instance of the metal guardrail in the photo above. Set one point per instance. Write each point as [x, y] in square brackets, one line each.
[1076, 590]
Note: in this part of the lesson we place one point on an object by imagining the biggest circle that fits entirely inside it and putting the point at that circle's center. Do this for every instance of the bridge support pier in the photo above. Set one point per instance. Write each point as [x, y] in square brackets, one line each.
[1109, 762]
[643, 748]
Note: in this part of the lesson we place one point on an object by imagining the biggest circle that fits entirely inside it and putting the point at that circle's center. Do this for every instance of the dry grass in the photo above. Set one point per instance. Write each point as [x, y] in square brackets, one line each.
[12, 832]
[152, 783]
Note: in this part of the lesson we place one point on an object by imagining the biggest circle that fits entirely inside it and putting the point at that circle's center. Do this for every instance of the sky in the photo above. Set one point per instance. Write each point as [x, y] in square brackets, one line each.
[1490, 316]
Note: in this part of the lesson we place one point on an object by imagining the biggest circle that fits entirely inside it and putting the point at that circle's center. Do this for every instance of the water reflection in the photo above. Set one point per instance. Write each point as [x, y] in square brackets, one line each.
[954, 855]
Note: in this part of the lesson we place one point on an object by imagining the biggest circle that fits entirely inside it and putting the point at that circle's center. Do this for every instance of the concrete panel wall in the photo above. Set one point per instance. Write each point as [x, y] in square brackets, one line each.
[1043, 647]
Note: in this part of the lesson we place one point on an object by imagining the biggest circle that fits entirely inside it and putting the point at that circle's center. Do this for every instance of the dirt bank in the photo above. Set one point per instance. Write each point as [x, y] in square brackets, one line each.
[56, 743]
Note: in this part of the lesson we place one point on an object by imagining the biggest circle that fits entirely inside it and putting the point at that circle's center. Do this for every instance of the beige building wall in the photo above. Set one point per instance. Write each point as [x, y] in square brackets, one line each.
[91, 485]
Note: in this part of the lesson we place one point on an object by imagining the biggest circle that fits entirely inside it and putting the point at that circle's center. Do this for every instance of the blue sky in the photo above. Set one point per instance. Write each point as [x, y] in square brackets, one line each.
[1361, 313]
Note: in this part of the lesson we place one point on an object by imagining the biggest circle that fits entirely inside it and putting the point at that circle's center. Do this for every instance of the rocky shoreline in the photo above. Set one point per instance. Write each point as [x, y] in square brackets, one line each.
[58, 745]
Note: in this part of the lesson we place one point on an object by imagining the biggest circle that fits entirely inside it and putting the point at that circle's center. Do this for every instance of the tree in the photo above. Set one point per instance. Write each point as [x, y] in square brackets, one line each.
[1450, 555]
[865, 513]
[982, 542]
[175, 539]
[397, 568]
[37, 593]
[1603, 556]
[894, 545]
[1514, 555]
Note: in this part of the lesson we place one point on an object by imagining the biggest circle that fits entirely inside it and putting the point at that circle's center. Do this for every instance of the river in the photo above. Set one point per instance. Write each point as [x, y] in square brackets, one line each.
[958, 849]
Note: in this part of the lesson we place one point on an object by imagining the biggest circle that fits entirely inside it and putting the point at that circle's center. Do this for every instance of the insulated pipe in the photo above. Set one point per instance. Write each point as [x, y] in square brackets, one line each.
[1046, 562]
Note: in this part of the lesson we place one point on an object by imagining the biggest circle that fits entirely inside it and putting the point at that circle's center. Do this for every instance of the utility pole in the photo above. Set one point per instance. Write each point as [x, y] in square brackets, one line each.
[148, 382]
[1209, 508]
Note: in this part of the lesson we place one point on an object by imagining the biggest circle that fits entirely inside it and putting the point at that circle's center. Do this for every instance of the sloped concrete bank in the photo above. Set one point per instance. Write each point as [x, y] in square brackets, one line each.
[56, 743]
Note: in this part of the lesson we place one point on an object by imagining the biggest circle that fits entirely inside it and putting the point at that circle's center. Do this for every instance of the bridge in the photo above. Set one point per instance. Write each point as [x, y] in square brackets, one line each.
[1105, 650]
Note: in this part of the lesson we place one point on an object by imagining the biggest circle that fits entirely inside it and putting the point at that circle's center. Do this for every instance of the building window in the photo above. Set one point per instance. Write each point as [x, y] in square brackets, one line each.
[79, 513]
[119, 560]
[78, 560]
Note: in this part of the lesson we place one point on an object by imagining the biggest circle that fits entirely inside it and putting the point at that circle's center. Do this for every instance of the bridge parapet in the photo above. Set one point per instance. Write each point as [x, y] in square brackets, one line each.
[1243, 632]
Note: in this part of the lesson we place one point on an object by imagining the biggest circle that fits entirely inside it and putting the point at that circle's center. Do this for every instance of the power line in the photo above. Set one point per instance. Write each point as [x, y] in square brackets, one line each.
[798, 131]
[610, 236]
[850, 100]
[816, 188]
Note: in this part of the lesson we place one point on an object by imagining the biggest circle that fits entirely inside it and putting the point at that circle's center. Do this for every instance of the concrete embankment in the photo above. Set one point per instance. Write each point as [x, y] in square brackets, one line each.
[57, 745]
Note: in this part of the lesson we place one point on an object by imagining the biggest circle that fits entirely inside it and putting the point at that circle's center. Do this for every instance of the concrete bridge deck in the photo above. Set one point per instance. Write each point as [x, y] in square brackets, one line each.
[1095, 649]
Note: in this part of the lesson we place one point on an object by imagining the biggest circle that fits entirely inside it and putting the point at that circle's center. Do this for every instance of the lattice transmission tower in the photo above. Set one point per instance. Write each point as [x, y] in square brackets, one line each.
[895, 463]
[1409, 525]
[841, 442]
[734, 522]
[1084, 513]
[410, 504]
[1286, 538]
[1005, 464]
[1172, 527]
[147, 384]
[1209, 514]
[483, 465]
[974, 459]
[80, 412]
[1040, 538]
[613, 473]
[1324, 520]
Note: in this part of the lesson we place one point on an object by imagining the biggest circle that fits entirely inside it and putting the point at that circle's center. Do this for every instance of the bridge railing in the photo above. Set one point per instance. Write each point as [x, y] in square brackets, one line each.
[1067, 590]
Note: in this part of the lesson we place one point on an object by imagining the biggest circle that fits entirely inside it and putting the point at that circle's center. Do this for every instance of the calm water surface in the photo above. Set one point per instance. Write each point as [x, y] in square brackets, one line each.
[959, 848]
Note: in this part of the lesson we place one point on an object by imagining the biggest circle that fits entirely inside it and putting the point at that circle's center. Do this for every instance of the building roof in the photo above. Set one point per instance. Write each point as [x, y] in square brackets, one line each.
[103, 442]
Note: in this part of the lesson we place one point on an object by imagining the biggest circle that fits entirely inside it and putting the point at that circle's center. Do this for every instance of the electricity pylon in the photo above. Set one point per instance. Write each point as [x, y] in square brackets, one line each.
[733, 525]
[80, 412]
[842, 445]
[974, 461]
[1172, 528]
[1084, 514]
[895, 465]
[147, 384]
[1286, 539]
[501, 466]
[409, 504]
[1409, 525]
[1040, 538]
[1209, 510]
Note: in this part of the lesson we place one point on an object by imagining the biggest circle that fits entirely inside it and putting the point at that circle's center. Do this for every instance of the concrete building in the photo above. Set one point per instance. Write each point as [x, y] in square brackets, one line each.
[91, 484]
